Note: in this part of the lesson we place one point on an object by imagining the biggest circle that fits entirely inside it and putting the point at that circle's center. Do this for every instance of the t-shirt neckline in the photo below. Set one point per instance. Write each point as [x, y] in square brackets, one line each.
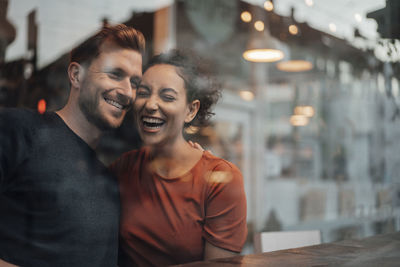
[173, 179]
[65, 125]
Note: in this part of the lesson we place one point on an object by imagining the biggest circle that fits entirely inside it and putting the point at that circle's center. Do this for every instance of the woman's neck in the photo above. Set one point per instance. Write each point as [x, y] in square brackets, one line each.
[174, 160]
[171, 149]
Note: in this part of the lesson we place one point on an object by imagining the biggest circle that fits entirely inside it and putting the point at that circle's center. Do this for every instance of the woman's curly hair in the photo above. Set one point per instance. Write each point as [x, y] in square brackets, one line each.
[199, 83]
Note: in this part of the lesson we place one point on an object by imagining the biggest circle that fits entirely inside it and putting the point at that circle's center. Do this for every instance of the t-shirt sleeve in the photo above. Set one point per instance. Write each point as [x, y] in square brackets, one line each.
[225, 208]
[12, 143]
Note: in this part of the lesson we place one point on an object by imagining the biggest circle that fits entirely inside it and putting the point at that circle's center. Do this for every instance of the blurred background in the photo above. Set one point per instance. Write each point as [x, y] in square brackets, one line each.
[310, 110]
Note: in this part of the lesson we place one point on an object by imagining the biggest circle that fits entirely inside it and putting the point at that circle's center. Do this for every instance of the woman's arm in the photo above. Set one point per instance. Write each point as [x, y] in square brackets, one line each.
[213, 252]
[6, 264]
[225, 228]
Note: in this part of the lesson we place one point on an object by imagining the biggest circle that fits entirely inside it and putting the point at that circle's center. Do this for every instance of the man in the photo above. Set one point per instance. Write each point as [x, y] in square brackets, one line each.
[59, 206]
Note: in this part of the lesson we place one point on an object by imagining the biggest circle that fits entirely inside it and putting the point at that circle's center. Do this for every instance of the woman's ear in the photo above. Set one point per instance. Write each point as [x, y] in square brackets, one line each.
[75, 74]
[193, 109]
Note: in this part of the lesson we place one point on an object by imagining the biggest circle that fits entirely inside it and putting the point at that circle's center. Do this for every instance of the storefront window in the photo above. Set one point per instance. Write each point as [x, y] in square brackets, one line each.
[318, 147]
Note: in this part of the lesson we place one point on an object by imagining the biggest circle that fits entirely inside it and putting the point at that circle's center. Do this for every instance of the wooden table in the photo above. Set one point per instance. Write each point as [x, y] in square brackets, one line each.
[380, 251]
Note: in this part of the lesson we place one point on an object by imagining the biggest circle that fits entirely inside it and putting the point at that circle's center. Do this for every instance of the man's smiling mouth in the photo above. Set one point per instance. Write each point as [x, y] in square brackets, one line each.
[114, 103]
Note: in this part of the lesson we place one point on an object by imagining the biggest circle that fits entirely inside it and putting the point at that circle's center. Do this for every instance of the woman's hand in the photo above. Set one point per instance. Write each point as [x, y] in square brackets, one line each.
[196, 145]
[6, 264]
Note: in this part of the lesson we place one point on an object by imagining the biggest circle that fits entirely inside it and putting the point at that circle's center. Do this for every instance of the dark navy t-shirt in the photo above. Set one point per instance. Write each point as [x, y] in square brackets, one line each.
[59, 205]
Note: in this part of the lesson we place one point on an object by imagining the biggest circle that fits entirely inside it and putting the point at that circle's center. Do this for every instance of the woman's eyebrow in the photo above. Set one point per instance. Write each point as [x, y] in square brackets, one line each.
[169, 90]
[136, 80]
[143, 86]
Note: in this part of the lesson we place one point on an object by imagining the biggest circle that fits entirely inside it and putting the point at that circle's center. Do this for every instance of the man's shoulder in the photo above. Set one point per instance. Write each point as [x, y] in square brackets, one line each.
[18, 115]
[21, 117]
[15, 111]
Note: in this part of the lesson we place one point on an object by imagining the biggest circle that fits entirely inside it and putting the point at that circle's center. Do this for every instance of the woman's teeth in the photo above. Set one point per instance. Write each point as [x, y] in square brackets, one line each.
[152, 122]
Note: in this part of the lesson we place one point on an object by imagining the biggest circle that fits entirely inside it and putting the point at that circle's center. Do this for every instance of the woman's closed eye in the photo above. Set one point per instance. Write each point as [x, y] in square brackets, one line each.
[142, 91]
[168, 94]
[168, 98]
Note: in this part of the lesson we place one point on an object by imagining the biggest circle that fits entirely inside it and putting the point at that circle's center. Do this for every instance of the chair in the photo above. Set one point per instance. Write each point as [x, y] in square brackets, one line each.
[272, 241]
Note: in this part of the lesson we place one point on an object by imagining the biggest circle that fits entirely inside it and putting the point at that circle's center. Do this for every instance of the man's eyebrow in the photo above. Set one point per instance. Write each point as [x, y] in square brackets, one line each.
[113, 69]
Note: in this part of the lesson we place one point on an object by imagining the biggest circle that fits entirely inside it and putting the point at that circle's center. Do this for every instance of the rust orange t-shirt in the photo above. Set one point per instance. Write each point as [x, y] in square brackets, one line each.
[166, 221]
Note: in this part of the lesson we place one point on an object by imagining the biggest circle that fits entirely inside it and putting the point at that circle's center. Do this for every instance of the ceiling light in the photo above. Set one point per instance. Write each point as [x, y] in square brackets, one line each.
[307, 111]
[246, 16]
[259, 25]
[309, 2]
[298, 120]
[263, 55]
[262, 47]
[296, 60]
[246, 95]
[268, 5]
[297, 65]
[293, 29]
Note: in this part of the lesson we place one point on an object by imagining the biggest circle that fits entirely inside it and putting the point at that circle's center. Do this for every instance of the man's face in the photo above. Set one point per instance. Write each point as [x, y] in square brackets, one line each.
[107, 88]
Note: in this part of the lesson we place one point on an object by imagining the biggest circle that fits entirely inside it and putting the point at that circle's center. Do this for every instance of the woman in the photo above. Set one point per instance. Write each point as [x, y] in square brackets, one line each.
[179, 203]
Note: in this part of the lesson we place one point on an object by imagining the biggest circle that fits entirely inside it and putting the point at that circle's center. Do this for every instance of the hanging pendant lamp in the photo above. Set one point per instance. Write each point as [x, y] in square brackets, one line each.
[263, 48]
[297, 60]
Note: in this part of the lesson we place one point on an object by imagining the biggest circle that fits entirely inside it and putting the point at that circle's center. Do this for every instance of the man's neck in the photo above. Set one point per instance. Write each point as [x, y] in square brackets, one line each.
[78, 123]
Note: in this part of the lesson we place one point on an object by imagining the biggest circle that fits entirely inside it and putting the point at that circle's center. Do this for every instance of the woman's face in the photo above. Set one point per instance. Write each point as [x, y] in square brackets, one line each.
[161, 108]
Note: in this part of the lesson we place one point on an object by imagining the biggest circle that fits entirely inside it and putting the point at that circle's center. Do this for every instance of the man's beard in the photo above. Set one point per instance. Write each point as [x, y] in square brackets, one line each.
[89, 107]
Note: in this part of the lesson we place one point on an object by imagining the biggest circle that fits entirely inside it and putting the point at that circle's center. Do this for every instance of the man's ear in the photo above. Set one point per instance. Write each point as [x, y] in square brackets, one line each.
[193, 109]
[75, 74]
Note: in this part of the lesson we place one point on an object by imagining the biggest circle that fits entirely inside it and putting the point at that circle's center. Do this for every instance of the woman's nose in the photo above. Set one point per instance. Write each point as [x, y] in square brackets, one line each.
[151, 104]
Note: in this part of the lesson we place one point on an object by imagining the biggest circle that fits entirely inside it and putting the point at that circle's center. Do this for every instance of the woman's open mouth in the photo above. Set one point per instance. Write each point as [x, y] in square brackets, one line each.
[152, 123]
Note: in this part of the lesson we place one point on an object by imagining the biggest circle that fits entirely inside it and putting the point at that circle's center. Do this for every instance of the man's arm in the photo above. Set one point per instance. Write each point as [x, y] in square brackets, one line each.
[7, 146]
[12, 142]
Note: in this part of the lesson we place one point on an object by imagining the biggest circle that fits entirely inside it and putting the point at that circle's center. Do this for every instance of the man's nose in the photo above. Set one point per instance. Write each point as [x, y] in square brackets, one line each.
[125, 88]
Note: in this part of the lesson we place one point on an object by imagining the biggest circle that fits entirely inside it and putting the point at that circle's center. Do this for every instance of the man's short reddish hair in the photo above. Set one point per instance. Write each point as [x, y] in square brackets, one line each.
[122, 35]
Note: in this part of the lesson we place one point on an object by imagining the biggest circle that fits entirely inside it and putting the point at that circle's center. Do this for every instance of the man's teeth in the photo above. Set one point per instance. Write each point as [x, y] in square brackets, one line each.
[114, 103]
